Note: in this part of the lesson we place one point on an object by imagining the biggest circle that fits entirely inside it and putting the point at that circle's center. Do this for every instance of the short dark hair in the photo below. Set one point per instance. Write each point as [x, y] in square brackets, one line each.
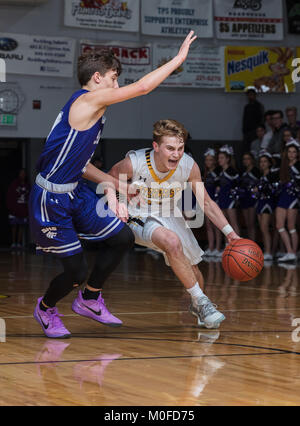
[269, 112]
[278, 112]
[101, 61]
[261, 126]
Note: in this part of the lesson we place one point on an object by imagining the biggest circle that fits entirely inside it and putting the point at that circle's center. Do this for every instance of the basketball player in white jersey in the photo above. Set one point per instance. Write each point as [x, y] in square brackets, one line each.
[160, 175]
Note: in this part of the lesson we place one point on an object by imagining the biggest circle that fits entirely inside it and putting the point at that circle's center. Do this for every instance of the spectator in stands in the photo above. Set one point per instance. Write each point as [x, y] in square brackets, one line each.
[269, 129]
[17, 205]
[276, 142]
[287, 136]
[253, 116]
[293, 124]
[256, 145]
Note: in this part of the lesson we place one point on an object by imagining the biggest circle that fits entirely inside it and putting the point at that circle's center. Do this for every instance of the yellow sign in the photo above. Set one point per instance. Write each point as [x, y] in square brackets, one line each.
[266, 69]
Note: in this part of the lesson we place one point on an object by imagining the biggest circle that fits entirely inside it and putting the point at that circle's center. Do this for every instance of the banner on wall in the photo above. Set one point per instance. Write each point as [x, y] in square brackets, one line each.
[203, 68]
[267, 69]
[37, 55]
[177, 17]
[134, 57]
[249, 19]
[293, 14]
[111, 15]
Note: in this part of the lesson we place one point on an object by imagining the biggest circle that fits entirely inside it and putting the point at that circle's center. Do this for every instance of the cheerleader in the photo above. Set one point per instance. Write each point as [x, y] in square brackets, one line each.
[214, 236]
[227, 182]
[276, 162]
[277, 241]
[266, 201]
[247, 203]
[287, 206]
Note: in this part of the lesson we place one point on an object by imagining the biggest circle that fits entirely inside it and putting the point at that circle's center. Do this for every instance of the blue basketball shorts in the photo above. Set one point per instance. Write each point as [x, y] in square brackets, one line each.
[59, 221]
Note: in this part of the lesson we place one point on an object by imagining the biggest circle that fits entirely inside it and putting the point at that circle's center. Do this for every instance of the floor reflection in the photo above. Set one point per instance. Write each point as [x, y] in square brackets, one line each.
[50, 358]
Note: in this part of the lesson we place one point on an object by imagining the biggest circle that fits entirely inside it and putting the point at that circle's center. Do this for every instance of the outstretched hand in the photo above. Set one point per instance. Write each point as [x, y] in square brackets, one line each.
[184, 49]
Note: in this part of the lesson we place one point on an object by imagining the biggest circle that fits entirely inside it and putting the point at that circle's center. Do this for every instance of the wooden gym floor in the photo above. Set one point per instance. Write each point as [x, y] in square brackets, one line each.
[159, 356]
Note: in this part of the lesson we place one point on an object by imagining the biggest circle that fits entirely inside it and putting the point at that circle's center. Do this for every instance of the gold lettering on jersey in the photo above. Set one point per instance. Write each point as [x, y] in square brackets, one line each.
[158, 194]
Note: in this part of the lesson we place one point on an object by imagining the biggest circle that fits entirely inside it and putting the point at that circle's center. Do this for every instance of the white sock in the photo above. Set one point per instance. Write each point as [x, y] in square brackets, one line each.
[195, 291]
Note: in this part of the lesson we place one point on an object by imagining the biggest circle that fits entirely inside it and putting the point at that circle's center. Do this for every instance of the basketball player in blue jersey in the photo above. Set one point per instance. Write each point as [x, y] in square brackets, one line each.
[63, 210]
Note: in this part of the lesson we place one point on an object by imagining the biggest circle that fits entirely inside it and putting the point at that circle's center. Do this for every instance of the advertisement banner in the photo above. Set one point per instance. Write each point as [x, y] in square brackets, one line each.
[249, 19]
[176, 18]
[134, 57]
[267, 69]
[111, 15]
[203, 68]
[37, 55]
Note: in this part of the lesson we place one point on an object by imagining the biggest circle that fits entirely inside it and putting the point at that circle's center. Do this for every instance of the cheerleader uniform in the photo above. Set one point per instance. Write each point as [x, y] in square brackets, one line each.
[210, 182]
[227, 180]
[288, 198]
[266, 198]
[248, 180]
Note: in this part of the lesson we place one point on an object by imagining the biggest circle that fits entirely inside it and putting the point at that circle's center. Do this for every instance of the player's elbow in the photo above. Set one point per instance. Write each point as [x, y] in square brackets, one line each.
[143, 88]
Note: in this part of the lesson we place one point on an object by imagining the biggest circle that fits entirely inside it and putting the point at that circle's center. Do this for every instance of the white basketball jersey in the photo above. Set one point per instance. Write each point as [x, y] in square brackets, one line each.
[160, 192]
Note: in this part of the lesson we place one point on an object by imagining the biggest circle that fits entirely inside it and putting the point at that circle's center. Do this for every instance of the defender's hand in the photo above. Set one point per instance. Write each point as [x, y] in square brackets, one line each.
[184, 49]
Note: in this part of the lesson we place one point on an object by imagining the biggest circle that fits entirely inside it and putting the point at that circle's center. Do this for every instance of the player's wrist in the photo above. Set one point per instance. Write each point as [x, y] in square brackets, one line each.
[227, 229]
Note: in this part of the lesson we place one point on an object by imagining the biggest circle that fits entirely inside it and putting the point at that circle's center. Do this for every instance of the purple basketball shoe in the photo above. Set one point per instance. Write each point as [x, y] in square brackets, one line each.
[95, 309]
[50, 321]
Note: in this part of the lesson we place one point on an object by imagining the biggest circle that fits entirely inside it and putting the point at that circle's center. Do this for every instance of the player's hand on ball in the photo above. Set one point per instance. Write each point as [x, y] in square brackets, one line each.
[232, 236]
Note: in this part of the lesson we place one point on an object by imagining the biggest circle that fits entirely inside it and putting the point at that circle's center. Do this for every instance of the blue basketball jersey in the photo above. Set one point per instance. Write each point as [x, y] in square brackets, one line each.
[67, 151]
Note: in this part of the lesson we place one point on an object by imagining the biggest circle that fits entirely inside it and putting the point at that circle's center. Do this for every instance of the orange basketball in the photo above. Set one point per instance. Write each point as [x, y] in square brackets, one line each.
[242, 259]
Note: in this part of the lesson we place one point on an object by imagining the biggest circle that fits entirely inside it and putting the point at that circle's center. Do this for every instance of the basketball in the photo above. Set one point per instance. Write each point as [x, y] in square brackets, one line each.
[242, 259]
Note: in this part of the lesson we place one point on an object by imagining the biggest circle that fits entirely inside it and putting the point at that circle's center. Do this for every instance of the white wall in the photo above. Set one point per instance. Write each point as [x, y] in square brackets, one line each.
[208, 114]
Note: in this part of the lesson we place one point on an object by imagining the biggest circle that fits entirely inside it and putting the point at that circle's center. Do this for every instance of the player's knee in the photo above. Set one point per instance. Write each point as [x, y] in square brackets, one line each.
[173, 244]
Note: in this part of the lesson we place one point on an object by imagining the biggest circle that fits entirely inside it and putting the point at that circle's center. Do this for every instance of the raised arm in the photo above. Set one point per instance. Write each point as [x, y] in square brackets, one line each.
[211, 209]
[101, 98]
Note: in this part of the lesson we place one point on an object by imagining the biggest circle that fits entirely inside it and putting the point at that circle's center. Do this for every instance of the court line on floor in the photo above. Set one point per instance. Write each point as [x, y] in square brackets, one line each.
[164, 312]
[214, 342]
[2, 364]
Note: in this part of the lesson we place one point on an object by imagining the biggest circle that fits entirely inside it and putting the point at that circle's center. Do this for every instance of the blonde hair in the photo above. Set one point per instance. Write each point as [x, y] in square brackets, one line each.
[169, 128]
